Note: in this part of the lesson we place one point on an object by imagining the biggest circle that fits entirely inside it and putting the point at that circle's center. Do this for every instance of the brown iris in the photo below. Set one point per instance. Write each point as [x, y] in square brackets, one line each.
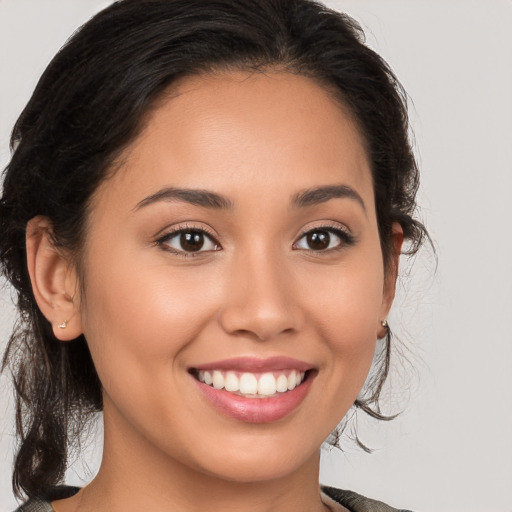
[192, 241]
[318, 240]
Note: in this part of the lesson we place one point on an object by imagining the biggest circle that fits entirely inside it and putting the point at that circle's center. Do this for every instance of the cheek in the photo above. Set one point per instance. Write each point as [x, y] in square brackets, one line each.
[137, 317]
[347, 305]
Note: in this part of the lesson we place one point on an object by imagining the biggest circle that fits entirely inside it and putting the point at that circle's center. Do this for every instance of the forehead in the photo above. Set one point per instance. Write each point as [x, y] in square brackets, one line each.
[241, 131]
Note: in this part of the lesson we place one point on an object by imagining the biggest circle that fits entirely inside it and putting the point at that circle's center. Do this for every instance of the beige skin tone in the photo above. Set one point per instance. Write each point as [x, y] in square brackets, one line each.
[149, 312]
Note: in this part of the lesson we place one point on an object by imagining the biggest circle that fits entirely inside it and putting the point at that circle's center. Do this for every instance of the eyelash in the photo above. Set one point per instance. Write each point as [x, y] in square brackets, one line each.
[346, 239]
[169, 235]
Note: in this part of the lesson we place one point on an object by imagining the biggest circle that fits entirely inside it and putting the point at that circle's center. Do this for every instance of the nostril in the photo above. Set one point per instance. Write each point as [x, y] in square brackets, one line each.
[258, 327]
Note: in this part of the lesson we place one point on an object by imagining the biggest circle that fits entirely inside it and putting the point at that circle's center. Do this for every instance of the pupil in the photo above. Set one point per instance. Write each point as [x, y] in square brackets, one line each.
[318, 240]
[192, 241]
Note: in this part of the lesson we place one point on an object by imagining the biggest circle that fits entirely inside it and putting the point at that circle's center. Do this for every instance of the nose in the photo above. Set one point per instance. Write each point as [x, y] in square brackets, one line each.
[260, 299]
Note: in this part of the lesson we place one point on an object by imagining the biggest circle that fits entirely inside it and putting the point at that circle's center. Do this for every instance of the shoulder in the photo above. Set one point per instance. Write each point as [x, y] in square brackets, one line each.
[356, 502]
[349, 499]
[44, 504]
[35, 506]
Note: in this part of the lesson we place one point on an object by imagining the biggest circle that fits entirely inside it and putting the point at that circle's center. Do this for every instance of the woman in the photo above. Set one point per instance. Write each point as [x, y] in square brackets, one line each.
[203, 217]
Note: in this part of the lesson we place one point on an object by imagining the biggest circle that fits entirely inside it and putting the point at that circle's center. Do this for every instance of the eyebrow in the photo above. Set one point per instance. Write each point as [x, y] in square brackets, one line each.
[196, 197]
[207, 199]
[314, 196]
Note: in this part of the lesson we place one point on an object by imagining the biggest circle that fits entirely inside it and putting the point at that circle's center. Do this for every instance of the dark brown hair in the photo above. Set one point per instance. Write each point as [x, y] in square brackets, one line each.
[91, 102]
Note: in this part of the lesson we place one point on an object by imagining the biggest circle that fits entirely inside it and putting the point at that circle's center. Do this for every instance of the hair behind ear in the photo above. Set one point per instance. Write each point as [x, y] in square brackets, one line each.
[55, 383]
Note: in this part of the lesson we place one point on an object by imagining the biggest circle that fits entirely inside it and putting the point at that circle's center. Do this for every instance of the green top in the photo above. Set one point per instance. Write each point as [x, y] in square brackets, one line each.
[349, 499]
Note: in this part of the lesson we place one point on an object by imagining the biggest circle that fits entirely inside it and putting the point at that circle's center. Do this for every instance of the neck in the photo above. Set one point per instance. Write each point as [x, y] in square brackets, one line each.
[135, 475]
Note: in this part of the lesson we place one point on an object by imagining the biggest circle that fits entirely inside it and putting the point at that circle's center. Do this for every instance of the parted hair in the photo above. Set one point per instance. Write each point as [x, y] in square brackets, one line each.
[92, 101]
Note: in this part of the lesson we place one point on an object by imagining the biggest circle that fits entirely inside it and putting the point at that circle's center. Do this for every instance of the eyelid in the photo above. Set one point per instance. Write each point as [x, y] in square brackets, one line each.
[186, 226]
[170, 232]
[341, 231]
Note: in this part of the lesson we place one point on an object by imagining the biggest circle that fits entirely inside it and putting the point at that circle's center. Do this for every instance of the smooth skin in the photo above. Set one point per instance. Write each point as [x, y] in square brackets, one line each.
[151, 309]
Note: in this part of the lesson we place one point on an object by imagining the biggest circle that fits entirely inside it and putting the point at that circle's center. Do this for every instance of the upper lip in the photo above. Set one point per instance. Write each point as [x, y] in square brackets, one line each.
[255, 364]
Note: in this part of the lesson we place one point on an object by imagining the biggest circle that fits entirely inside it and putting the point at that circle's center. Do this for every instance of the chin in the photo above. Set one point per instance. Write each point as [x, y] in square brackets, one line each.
[260, 460]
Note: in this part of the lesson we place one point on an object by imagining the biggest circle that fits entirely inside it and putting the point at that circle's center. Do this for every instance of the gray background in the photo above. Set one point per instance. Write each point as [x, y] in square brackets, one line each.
[451, 450]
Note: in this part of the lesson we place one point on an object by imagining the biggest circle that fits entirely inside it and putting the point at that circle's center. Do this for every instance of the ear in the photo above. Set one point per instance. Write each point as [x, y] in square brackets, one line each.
[54, 281]
[391, 276]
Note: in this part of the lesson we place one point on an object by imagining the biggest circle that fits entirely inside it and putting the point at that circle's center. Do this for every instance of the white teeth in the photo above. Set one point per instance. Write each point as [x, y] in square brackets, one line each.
[231, 382]
[251, 385]
[282, 384]
[292, 380]
[248, 384]
[218, 380]
[267, 384]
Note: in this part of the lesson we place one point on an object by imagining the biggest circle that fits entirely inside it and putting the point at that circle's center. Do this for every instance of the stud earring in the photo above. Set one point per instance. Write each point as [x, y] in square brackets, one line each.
[384, 324]
[63, 325]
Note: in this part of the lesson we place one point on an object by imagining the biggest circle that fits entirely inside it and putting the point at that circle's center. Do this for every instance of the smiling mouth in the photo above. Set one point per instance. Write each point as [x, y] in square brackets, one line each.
[252, 385]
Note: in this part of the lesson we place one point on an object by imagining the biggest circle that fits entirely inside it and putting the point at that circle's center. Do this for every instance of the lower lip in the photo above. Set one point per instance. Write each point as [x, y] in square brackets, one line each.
[256, 410]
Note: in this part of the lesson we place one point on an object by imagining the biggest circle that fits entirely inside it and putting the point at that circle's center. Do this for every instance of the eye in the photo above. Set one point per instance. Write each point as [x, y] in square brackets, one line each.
[189, 241]
[323, 239]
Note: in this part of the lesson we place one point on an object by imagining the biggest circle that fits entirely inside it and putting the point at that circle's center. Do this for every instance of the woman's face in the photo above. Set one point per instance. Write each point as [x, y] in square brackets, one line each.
[238, 244]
